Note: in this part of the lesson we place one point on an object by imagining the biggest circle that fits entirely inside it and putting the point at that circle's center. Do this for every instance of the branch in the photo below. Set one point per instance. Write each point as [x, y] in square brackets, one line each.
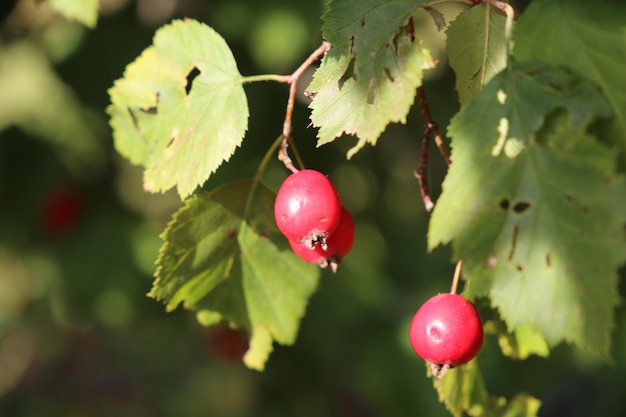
[430, 128]
[292, 80]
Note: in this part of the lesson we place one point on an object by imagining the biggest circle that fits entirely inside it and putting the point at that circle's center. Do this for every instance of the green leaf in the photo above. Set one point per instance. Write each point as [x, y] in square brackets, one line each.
[589, 37]
[180, 137]
[231, 265]
[534, 206]
[522, 405]
[369, 77]
[522, 342]
[438, 18]
[462, 390]
[83, 11]
[476, 48]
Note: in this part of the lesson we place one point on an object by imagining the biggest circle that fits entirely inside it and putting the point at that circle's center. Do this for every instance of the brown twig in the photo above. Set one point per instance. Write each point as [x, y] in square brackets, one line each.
[292, 80]
[422, 173]
[430, 128]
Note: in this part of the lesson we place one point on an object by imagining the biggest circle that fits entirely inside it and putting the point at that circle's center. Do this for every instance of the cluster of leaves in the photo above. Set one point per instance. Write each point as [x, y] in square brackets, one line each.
[534, 201]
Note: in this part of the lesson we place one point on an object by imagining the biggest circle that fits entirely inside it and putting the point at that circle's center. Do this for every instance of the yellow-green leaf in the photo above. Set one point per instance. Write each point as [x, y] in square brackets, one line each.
[180, 110]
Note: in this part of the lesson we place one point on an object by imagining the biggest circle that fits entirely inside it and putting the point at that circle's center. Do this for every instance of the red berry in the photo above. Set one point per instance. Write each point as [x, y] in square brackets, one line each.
[61, 211]
[447, 330]
[227, 343]
[338, 244]
[307, 208]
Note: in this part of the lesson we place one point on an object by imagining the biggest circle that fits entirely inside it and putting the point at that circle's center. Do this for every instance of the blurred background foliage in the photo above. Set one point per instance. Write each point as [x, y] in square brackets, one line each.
[78, 238]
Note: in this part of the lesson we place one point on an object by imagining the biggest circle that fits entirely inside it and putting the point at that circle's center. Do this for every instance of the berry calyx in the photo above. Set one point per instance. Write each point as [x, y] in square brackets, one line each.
[338, 245]
[307, 208]
[446, 331]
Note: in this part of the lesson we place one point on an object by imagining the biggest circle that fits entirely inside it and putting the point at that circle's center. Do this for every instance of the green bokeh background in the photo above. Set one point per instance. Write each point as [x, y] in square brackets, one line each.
[79, 337]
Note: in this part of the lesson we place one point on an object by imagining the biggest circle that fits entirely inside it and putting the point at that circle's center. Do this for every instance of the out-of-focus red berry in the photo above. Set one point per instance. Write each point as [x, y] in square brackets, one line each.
[227, 343]
[60, 211]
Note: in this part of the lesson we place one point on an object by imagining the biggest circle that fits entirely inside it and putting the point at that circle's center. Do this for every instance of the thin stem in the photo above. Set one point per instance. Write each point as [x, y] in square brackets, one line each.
[265, 77]
[284, 139]
[299, 159]
[283, 155]
[293, 81]
[259, 174]
[430, 128]
[457, 274]
[422, 173]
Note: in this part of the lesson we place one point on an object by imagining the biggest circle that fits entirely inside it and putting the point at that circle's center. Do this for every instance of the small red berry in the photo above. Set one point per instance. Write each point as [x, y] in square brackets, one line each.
[338, 244]
[60, 211]
[447, 331]
[227, 343]
[307, 208]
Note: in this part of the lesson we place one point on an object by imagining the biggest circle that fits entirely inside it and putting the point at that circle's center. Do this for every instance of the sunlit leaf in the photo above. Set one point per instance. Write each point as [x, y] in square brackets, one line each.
[520, 343]
[233, 266]
[534, 206]
[369, 77]
[83, 11]
[522, 405]
[589, 37]
[180, 110]
[463, 391]
[476, 48]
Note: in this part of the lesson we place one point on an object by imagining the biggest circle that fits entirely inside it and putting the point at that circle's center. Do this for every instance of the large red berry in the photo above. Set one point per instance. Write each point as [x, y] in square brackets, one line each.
[307, 208]
[447, 330]
[338, 244]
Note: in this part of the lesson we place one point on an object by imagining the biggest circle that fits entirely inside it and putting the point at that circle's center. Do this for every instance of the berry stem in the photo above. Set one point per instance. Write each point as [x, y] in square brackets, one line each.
[296, 153]
[283, 156]
[455, 279]
[292, 80]
[259, 174]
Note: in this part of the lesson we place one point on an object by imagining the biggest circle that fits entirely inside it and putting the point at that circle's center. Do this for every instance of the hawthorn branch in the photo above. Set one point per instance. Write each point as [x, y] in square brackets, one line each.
[431, 128]
[292, 80]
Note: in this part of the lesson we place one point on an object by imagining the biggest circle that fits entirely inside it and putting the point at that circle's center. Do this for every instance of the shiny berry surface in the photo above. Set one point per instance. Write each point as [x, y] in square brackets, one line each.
[447, 330]
[307, 208]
